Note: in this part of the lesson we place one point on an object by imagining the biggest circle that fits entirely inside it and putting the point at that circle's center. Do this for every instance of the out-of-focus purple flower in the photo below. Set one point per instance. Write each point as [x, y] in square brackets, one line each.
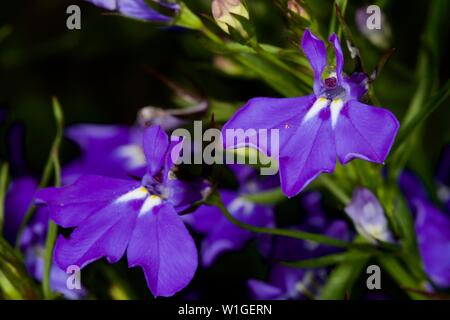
[316, 129]
[284, 283]
[411, 187]
[293, 283]
[138, 9]
[106, 150]
[18, 199]
[368, 216]
[379, 35]
[432, 227]
[111, 216]
[433, 237]
[221, 234]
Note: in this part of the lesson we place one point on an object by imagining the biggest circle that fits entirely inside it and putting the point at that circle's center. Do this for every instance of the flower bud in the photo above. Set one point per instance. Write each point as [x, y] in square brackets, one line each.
[223, 11]
[297, 9]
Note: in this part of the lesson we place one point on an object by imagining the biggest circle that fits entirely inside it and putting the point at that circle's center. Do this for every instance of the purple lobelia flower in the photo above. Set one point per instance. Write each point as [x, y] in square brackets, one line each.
[432, 227]
[368, 216]
[293, 283]
[433, 238]
[315, 129]
[111, 216]
[118, 147]
[18, 199]
[221, 234]
[138, 9]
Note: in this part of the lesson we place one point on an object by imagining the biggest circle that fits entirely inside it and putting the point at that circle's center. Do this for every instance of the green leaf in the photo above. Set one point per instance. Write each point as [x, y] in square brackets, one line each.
[281, 80]
[14, 280]
[334, 27]
[3, 189]
[421, 116]
[401, 276]
[342, 278]
[326, 261]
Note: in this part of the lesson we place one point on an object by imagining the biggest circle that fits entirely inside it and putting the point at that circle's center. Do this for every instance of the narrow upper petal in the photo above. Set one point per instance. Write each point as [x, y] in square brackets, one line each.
[156, 144]
[163, 247]
[364, 132]
[339, 56]
[261, 114]
[69, 206]
[432, 229]
[309, 152]
[316, 52]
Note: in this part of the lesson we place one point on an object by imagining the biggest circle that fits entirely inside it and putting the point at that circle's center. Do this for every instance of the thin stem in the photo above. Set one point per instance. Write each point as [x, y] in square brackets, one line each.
[51, 237]
[286, 233]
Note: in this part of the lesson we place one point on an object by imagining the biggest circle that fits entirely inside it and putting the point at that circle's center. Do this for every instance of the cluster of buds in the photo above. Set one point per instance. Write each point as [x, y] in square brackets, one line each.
[224, 10]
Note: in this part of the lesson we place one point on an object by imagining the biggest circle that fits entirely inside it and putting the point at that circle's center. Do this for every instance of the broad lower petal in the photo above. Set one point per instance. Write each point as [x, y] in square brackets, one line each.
[310, 152]
[364, 132]
[264, 114]
[104, 234]
[163, 247]
[72, 204]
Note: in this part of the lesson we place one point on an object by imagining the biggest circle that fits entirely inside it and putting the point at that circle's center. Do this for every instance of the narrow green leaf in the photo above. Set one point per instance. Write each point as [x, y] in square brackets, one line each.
[401, 276]
[342, 278]
[14, 280]
[419, 118]
[334, 27]
[3, 189]
[328, 260]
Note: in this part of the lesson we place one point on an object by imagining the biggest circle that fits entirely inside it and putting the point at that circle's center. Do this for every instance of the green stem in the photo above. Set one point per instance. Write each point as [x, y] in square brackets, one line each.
[51, 238]
[48, 166]
[287, 233]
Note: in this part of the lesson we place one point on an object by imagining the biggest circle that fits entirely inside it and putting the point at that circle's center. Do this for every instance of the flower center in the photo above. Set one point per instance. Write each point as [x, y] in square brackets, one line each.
[153, 185]
[331, 82]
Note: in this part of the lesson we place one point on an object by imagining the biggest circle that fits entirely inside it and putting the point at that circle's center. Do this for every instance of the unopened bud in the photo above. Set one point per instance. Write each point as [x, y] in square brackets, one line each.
[297, 9]
[223, 11]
